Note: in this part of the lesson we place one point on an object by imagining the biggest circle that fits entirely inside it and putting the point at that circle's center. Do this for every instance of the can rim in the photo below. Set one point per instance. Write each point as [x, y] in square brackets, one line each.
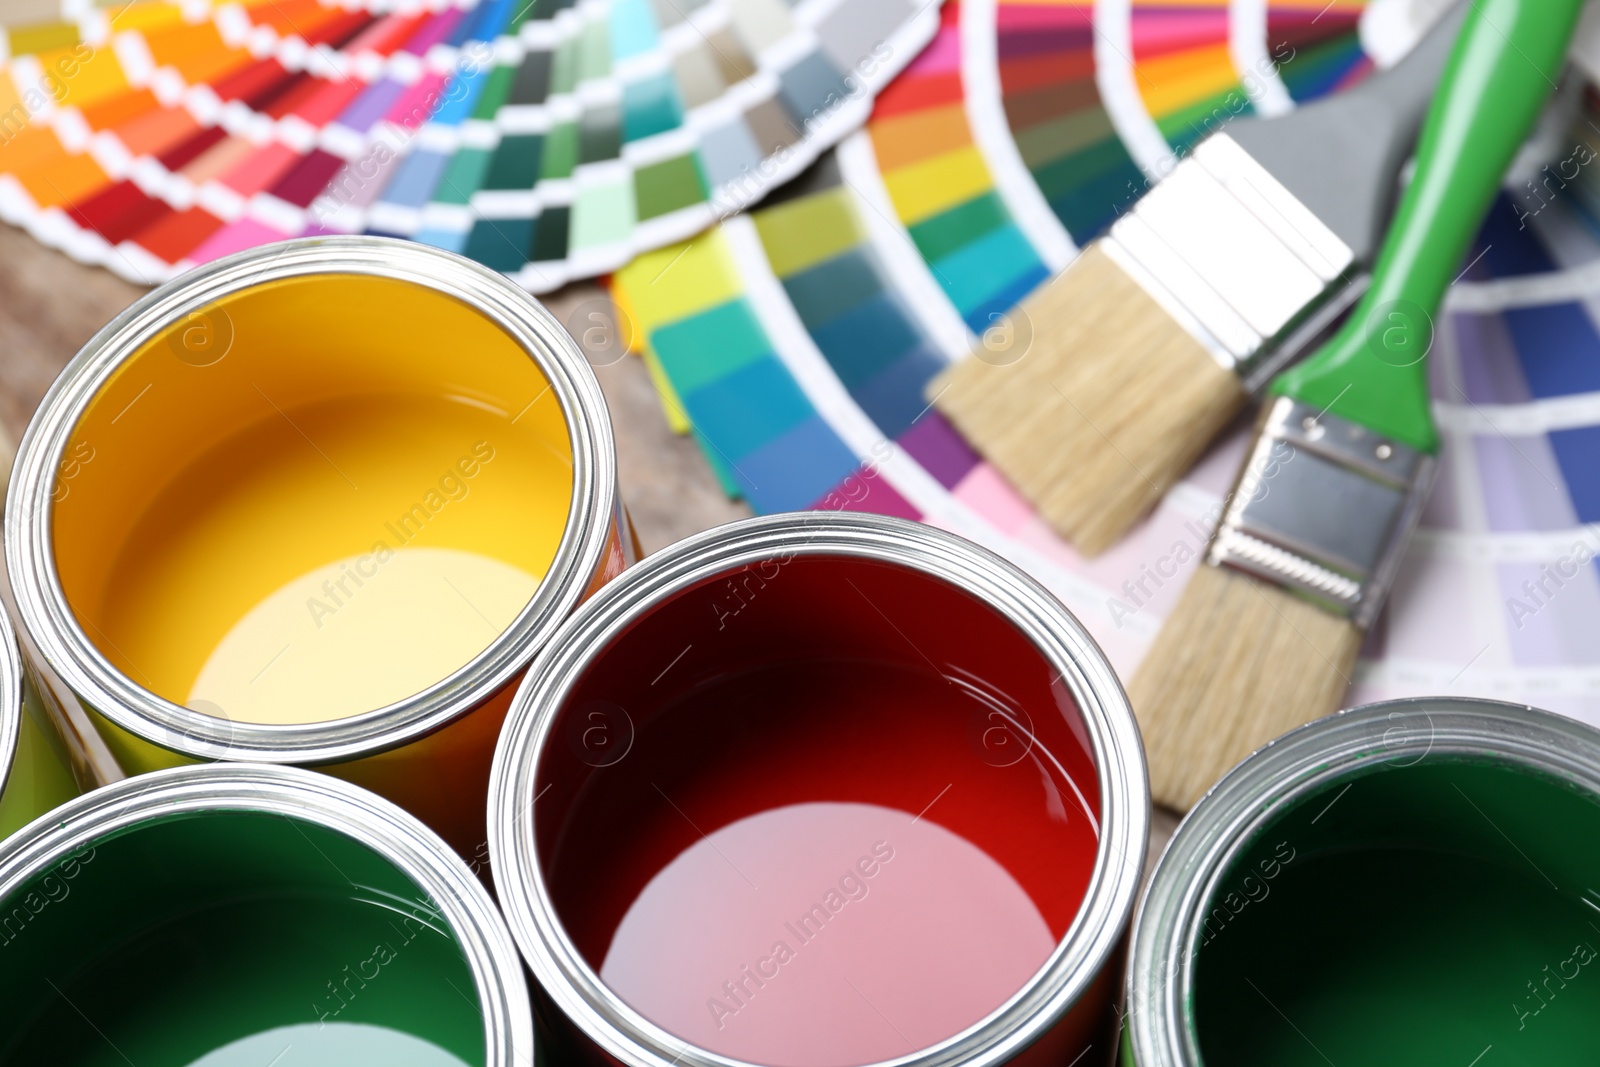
[11, 709]
[1397, 733]
[308, 796]
[1096, 931]
[29, 517]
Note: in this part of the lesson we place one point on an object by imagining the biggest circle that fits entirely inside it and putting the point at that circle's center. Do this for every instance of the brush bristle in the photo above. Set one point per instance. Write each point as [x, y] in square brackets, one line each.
[1238, 662]
[1110, 405]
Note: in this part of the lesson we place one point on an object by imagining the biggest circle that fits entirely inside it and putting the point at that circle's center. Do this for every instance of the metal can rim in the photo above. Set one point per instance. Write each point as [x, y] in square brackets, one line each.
[1089, 943]
[295, 793]
[69, 651]
[1398, 733]
[11, 709]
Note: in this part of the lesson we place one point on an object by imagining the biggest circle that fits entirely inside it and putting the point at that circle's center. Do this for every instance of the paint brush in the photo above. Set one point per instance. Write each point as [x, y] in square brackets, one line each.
[1156, 336]
[1266, 633]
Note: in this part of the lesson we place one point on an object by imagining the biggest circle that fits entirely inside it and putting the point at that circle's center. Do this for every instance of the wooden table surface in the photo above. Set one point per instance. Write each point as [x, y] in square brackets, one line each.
[50, 305]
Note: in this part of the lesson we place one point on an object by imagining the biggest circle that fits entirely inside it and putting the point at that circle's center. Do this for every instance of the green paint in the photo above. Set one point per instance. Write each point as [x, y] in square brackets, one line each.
[494, 94]
[560, 151]
[1424, 916]
[40, 776]
[462, 176]
[1183, 128]
[600, 133]
[1047, 142]
[594, 50]
[603, 215]
[706, 347]
[550, 235]
[1095, 163]
[516, 162]
[564, 67]
[954, 229]
[196, 940]
[670, 185]
[650, 106]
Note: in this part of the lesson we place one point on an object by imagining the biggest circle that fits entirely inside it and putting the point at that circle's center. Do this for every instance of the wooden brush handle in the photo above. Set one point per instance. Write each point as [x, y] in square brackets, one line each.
[1503, 68]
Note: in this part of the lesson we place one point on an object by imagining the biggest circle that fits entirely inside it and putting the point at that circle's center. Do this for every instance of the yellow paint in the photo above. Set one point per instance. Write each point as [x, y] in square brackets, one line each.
[298, 432]
[409, 617]
[1173, 82]
[42, 37]
[669, 284]
[144, 15]
[808, 231]
[677, 281]
[85, 75]
[671, 406]
[929, 187]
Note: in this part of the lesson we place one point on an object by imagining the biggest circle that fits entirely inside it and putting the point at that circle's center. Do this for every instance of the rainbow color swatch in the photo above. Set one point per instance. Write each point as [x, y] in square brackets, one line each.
[852, 288]
[545, 139]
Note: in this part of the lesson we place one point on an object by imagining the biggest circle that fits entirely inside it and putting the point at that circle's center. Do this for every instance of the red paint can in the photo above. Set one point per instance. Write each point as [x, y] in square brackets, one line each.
[822, 790]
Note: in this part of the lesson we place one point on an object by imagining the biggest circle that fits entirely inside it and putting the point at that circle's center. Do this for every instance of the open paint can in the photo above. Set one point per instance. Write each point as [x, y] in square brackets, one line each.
[1407, 882]
[316, 503]
[240, 914]
[35, 770]
[817, 790]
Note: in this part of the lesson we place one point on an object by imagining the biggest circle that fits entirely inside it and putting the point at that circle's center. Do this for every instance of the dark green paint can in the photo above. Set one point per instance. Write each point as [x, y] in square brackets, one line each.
[242, 915]
[1415, 882]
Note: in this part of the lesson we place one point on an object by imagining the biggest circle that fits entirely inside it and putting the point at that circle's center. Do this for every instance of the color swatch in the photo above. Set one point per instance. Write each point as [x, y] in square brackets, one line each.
[547, 140]
[849, 302]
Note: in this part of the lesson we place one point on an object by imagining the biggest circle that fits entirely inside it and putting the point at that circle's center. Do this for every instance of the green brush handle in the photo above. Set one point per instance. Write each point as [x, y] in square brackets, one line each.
[1504, 65]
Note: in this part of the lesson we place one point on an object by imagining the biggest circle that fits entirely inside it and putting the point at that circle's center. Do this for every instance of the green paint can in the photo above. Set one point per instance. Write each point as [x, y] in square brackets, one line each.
[238, 915]
[1411, 882]
[35, 771]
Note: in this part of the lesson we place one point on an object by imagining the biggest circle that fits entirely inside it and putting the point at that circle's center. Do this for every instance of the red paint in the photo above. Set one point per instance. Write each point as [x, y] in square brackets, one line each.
[116, 212]
[172, 237]
[886, 703]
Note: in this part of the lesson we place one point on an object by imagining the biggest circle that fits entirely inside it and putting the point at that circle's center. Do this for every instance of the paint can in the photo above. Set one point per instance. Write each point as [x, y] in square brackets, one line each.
[35, 770]
[822, 789]
[1404, 882]
[229, 913]
[316, 503]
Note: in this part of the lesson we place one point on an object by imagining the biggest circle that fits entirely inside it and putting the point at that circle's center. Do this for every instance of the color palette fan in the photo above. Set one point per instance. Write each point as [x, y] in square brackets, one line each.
[547, 140]
[836, 304]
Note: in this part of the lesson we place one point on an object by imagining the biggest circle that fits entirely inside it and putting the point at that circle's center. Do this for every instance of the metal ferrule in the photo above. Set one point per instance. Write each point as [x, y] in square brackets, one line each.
[1169, 930]
[1236, 259]
[622, 1033]
[1323, 507]
[305, 796]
